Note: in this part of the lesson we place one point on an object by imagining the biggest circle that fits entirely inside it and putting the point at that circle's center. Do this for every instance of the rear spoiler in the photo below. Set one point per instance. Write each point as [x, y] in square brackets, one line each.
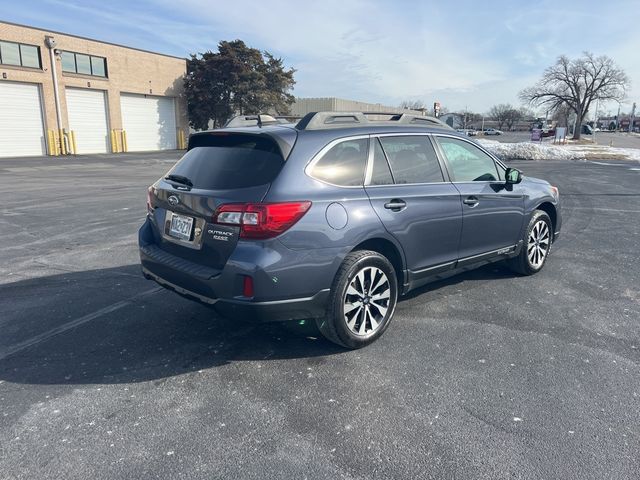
[285, 138]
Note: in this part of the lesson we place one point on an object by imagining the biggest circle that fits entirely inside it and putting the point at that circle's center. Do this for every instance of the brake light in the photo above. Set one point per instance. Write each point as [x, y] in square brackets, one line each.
[556, 192]
[261, 220]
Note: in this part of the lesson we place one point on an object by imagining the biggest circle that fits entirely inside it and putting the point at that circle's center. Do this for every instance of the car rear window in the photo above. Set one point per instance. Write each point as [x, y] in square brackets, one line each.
[344, 164]
[231, 161]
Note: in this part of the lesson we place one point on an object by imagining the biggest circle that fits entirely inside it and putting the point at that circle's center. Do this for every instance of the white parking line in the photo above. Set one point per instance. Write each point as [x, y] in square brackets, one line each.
[599, 209]
[73, 324]
[608, 164]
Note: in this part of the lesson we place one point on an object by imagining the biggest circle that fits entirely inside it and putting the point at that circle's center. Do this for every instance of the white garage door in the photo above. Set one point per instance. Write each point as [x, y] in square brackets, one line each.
[150, 122]
[88, 119]
[21, 127]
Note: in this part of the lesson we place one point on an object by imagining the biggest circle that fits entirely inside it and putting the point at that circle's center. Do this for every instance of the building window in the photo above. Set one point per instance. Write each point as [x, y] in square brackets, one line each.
[20, 55]
[84, 64]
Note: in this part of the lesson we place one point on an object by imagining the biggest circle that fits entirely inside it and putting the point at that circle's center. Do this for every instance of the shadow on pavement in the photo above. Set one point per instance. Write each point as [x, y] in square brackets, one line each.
[492, 271]
[153, 336]
[150, 335]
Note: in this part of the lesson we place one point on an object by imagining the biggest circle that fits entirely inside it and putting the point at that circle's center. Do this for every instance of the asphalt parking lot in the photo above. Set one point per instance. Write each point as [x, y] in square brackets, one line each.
[485, 375]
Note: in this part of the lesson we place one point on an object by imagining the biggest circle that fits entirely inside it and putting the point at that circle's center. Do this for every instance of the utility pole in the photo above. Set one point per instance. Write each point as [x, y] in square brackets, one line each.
[595, 122]
[618, 118]
[632, 117]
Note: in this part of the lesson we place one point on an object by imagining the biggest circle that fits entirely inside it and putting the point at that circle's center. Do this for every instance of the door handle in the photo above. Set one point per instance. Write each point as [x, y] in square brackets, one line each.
[395, 205]
[471, 201]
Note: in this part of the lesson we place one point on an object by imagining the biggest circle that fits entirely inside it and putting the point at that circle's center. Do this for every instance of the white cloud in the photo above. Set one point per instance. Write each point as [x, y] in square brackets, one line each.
[363, 50]
[464, 53]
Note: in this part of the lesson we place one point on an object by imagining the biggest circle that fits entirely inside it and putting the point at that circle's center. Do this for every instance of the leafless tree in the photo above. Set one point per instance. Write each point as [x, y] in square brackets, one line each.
[561, 115]
[412, 104]
[469, 118]
[577, 83]
[505, 113]
[513, 116]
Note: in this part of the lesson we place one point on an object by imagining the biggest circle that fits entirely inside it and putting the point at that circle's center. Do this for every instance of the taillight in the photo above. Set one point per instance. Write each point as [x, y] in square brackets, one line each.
[150, 200]
[261, 220]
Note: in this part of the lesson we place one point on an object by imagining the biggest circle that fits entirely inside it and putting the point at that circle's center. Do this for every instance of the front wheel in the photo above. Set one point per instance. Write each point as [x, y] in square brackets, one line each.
[363, 298]
[537, 244]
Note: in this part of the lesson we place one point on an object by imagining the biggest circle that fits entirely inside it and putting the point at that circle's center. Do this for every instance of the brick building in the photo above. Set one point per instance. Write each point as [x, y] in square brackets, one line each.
[95, 97]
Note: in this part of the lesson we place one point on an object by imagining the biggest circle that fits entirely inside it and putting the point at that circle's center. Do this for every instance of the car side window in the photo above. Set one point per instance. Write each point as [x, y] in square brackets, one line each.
[344, 164]
[412, 159]
[467, 162]
[381, 173]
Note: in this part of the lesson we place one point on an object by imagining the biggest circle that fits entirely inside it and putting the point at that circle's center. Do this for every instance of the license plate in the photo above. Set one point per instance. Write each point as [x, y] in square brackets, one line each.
[180, 226]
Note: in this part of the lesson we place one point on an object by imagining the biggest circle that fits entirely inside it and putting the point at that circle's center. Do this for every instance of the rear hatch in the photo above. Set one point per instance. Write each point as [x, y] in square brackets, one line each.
[220, 168]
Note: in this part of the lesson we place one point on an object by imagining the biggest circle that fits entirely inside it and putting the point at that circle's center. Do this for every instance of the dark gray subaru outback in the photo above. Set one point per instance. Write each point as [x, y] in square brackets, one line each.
[335, 217]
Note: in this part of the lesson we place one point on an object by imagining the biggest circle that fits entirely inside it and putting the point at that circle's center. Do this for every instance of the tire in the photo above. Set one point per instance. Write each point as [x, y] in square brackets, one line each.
[358, 315]
[536, 245]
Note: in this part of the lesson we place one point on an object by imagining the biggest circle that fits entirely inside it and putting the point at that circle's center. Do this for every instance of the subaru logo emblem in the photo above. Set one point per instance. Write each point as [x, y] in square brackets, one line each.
[174, 200]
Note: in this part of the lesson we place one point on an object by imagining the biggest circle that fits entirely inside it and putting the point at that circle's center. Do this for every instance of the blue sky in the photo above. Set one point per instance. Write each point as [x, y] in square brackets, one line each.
[466, 54]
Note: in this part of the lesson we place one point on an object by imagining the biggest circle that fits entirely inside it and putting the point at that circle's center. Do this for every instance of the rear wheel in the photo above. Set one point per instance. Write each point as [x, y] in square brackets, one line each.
[537, 244]
[363, 298]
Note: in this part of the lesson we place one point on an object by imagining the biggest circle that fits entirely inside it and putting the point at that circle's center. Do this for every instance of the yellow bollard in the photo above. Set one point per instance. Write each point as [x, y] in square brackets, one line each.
[63, 147]
[56, 142]
[74, 146]
[51, 148]
[125, 148]
[114, 142]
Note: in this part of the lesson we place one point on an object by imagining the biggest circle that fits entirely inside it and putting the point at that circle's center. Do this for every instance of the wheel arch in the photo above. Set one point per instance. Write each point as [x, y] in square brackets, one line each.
[550, 209]
[391, 251]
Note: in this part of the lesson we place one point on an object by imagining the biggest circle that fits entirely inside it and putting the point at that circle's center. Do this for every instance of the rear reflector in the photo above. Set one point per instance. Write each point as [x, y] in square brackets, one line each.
[247, 287]
[261, 220]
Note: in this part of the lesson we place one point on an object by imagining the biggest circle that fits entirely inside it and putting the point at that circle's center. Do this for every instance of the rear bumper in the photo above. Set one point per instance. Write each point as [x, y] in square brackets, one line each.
[272, 311]
[289, 285]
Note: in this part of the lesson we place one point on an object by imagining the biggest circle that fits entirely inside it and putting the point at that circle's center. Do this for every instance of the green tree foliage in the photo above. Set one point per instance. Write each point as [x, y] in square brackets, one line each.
[235, 80]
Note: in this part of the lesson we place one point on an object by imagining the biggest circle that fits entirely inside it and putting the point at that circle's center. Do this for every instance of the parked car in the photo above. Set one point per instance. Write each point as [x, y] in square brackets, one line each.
[469, 132]
[336, 217]
[492, 131]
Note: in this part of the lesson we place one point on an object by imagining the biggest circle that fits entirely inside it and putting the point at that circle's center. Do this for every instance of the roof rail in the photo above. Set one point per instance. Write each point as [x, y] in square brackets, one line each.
[251, 121]
[322, 120]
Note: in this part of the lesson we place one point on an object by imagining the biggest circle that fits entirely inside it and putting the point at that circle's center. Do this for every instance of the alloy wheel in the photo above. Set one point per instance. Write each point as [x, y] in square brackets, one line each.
[538, 244]
[366, 301]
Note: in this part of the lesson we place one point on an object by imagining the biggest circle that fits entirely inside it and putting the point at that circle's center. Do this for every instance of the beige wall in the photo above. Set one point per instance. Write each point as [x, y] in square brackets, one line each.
[129, 71]
[302, 106]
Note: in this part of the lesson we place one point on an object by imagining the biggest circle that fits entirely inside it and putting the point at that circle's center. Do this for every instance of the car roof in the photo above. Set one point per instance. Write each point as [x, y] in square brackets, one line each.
[286, 135]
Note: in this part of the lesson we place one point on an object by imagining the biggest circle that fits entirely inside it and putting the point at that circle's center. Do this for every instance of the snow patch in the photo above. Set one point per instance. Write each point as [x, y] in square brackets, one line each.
[547, 151]
[530, 151]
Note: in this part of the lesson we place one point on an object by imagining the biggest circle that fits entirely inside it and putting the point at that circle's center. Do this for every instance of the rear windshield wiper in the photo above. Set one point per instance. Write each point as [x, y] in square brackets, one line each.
[179, 179]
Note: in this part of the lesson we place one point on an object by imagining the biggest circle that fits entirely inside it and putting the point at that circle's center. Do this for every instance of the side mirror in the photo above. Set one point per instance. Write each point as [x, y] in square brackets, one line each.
[513, 176]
